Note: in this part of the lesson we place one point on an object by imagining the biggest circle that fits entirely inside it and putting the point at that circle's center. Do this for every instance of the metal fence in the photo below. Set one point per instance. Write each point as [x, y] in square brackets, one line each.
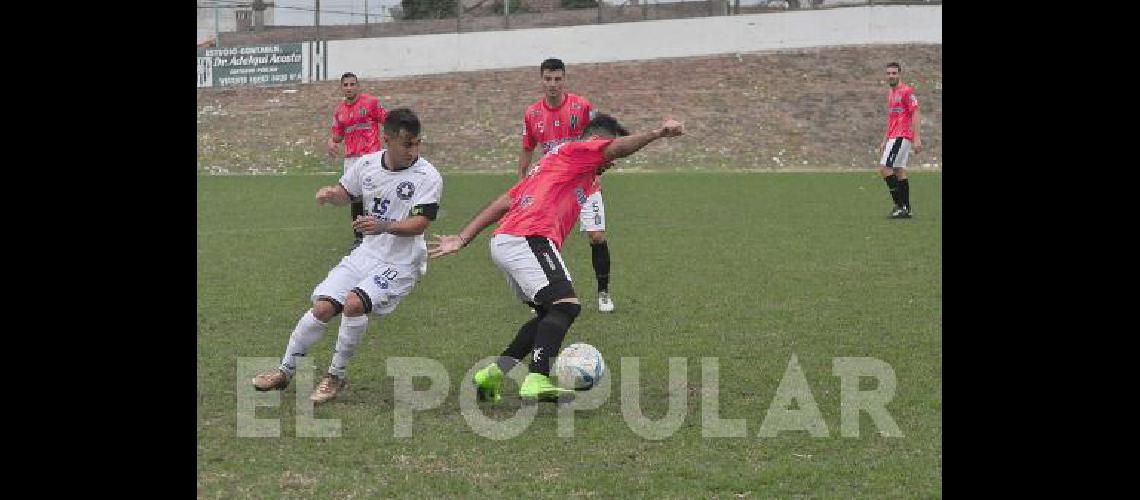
[493, 15]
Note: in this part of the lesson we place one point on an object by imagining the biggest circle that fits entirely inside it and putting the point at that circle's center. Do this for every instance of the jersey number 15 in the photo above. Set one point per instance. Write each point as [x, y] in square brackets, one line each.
[379, 207]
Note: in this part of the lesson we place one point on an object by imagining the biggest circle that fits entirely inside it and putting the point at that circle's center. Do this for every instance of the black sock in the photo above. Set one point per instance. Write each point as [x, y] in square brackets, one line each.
[522, 343]
[904, 192]
[601, 257]
[548, 337]
[357, 210]
[893, 186]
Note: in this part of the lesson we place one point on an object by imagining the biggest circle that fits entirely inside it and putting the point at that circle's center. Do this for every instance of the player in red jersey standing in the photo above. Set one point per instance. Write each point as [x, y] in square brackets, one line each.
[356, 123]
[556, 118]
[902, 132]
[534, 218]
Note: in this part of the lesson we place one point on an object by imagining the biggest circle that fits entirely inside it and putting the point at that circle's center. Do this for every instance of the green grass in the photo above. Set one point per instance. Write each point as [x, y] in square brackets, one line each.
[747, 268]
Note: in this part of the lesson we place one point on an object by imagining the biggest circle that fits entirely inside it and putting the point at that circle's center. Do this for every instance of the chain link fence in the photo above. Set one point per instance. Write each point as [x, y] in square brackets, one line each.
[422, 17]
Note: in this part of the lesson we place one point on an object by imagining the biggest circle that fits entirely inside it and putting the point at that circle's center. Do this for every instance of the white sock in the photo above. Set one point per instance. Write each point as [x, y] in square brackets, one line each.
[351, 331]
[307, 332]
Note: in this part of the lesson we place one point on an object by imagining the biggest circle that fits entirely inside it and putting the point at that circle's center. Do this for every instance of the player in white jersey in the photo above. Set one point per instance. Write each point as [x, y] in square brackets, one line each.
[401, 194]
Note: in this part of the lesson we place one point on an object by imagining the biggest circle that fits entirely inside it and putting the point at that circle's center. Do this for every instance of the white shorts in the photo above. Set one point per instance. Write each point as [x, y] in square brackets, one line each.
[383, 285]
[593, 215]
[533, 266]
[895, 153]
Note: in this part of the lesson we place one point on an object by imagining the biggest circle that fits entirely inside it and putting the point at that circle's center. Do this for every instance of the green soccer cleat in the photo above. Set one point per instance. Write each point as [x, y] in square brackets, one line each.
[538, 387]
[489, 383]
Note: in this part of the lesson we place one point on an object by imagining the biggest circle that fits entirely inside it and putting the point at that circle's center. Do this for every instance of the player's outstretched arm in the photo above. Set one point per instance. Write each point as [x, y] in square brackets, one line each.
[335, 195]
[525, 155]
[449, 244]
[625, 146]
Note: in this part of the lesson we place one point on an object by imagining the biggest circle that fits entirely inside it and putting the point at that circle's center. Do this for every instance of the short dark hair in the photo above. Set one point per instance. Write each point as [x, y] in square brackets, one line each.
[552, 64]
[348, 74]
[402, 119]
[895, 65]
[604, 124]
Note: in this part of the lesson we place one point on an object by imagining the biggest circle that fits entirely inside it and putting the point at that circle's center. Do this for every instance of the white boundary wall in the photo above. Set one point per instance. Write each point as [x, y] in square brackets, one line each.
[444, 53]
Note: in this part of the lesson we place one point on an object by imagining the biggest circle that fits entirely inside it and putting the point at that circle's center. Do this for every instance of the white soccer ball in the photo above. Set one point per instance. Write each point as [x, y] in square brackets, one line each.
[579, 366]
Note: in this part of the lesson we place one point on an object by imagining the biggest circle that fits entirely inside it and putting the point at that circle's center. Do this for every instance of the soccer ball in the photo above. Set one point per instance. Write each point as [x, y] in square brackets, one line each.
[579, 366]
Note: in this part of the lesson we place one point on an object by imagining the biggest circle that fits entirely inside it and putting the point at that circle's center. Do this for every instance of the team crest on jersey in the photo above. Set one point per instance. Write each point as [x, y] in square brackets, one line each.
[368, 185]
[363, 111]
[380, 282]
[405, 190]
[539, 126]
[581, 194]
[557, 123]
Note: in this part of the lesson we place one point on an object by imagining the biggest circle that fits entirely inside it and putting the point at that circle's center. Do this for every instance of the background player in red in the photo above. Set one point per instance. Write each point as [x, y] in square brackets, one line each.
[534, 218]
[356, 122]
[902, 130]
[556, 118]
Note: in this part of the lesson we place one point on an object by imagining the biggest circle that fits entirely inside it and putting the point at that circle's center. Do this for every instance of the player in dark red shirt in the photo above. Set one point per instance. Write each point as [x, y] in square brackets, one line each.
[902, 132]
[356, 122]
[557, 118]
[534, 218]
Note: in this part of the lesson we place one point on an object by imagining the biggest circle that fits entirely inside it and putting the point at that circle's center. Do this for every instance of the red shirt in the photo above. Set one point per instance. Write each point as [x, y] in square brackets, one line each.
[901, 104]
[548, 200]
[548, 127]
[359, 124]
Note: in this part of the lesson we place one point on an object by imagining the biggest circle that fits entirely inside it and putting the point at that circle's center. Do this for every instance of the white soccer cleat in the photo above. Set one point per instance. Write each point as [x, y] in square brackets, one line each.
[604, 303]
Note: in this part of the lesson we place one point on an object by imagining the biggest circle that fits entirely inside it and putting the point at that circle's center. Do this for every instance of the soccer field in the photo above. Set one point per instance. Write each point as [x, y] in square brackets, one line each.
[750, 269]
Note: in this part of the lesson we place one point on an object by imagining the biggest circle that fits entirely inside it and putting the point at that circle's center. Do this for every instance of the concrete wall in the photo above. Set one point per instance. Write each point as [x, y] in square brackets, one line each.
[444, 53]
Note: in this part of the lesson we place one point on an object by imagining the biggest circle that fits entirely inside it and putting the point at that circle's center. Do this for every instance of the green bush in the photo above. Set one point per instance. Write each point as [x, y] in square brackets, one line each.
[579, 4]
[429, 9]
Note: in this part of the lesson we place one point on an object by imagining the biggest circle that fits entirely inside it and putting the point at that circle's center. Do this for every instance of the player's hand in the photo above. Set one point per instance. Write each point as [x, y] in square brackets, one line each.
[917, 146]
[444, 245]
[369, 224]
[332, 148]
[672, 128]
[325, 194]
[602, 169]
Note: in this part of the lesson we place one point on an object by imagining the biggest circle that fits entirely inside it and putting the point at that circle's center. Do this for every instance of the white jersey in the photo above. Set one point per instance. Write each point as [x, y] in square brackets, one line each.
[394, 196]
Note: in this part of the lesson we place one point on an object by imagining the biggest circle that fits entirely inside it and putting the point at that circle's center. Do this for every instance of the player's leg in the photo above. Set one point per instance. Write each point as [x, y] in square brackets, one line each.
[357, 211]
[545, 280]
[548, 337]
[887, 170]
[328, 301]
[538, 274]
[523, 342]
[379, 292]
[489, 379]
[592, 221]
[357, 204]
[900, 172]
[352, 326]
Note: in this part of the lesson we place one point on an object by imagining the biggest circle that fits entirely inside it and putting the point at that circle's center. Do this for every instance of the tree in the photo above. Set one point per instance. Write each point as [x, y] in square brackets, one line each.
[428, 9]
